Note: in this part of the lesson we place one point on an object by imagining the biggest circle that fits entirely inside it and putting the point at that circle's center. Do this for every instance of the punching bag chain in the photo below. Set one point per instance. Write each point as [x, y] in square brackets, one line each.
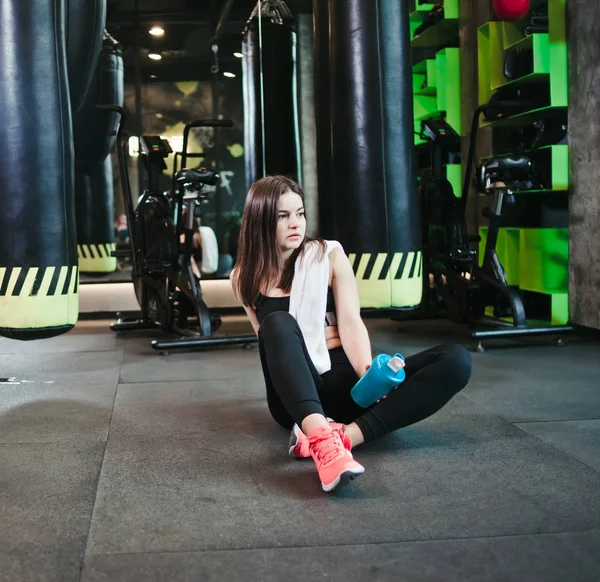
[108, 36]
[214, 69]
[275, 10]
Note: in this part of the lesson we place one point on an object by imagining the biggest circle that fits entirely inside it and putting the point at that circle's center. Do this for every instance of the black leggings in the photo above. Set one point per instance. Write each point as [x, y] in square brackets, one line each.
[295, 389]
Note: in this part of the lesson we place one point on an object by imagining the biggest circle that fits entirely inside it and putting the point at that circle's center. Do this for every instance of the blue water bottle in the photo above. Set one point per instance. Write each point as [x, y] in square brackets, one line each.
[381, 378]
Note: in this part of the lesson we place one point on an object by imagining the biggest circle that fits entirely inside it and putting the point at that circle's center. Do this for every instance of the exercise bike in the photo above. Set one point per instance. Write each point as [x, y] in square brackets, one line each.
[463, 286]
[161, 231]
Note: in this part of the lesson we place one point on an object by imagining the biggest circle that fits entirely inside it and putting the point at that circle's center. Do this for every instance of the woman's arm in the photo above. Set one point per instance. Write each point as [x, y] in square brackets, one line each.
[252, 317]
[352, 330]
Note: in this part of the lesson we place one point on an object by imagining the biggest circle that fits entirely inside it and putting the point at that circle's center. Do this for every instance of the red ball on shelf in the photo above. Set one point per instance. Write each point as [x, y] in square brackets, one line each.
[511, 10]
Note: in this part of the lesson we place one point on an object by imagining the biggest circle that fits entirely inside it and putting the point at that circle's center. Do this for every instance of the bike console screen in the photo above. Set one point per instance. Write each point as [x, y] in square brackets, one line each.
[154, 150]
[154, 146]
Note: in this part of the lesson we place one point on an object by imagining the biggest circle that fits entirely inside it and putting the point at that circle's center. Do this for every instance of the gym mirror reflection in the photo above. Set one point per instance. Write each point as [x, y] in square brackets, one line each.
[174, 73]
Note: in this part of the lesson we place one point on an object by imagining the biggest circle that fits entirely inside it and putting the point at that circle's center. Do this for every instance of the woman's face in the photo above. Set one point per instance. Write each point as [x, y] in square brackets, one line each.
[291, 223]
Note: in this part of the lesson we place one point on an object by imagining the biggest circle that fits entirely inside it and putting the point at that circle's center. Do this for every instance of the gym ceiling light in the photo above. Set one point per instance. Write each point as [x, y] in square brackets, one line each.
[157, 31]
[155, 56]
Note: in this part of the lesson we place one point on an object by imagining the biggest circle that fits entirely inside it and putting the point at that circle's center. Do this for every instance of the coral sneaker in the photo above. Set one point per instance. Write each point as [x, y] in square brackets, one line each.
[335, 463]
[299, 447]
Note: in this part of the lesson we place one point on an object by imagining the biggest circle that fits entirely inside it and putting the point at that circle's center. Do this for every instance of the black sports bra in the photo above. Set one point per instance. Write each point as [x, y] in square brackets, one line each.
[266, 305]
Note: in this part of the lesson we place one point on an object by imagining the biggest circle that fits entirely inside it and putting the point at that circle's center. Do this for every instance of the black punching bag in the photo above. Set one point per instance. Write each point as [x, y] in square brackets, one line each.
[373, 178]
[38, 259]
[271, 129]
[86, 20]
[252, 107]
[401, 187]
[327, 227]
[94, 206]
[95, 134]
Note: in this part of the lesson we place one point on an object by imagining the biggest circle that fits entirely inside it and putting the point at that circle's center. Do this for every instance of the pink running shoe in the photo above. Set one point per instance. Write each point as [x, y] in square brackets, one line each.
[299, 446]
[335, 463]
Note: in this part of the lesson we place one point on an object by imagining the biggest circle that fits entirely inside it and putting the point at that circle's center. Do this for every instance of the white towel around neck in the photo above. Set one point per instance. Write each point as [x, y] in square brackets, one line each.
[308, 300]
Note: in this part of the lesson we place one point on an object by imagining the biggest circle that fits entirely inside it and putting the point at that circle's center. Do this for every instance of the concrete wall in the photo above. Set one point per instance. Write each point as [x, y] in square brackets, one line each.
[583, 33]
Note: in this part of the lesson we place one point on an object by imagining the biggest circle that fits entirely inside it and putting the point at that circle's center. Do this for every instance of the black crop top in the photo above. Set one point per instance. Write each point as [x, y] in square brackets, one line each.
[266, 305]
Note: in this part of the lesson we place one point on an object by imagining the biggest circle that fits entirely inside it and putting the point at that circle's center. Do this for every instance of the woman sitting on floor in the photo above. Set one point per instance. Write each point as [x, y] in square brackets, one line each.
[301, 297]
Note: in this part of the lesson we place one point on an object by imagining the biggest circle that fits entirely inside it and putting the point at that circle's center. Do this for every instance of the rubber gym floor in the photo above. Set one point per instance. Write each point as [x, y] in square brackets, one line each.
[118, 464]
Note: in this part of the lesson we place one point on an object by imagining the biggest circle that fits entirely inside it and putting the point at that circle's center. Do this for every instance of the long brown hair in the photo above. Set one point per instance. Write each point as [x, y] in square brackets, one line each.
[258, 256]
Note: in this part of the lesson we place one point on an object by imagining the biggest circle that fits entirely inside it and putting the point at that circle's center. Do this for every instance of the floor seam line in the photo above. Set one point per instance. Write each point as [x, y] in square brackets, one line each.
[348, 545]
[194, 380]
[485, 407]
[514, 422]
[87, 539]
[558, 420]
[558, 450]
[524, 432]
[65, 442]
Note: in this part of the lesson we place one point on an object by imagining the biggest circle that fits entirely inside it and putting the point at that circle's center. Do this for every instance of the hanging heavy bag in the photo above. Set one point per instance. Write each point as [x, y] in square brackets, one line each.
[38, 259]
[373, 186]
[86, 20]
[95, 132]
[94, 209]
[271, 111]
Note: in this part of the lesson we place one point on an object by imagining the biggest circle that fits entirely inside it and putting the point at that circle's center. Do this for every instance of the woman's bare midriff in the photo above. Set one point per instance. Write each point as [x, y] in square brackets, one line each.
[332, 337]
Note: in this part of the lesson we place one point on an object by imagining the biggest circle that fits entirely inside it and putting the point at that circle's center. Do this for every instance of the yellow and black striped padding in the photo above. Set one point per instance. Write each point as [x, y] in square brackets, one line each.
[96, 258]
[388, 280]
[36, 298]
